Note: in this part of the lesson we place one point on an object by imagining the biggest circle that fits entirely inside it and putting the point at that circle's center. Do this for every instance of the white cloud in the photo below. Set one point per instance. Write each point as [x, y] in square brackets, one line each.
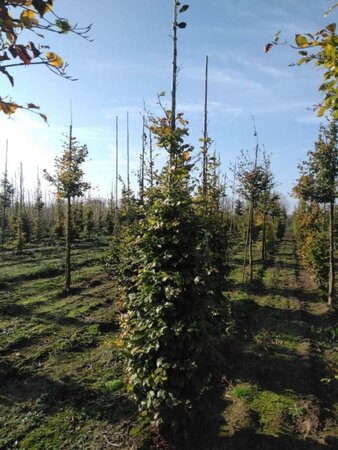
[309, 119]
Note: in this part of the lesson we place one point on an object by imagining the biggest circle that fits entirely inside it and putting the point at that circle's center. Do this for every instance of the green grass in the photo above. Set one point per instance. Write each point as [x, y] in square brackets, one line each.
[61, 375]
[62, 382]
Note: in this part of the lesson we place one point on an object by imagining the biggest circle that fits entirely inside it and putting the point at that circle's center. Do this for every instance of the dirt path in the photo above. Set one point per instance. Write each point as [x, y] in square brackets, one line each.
[281, 389]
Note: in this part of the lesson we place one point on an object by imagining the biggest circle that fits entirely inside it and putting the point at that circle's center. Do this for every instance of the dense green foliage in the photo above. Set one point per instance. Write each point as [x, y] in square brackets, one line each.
[169, 257]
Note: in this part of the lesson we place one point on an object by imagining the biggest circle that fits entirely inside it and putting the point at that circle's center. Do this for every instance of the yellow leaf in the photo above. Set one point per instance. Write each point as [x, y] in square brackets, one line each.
[301, 41]
[54, 59]
[8, 108]
[28, 18]
[186, 156]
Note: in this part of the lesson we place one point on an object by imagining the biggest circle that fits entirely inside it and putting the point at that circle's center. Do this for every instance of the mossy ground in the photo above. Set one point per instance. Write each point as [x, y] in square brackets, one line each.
[281, 389]
[58, 357]
[61, 370]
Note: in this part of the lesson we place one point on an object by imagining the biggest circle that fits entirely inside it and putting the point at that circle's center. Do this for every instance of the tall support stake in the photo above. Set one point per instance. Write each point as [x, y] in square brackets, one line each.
[174, 70]
[128, 154]
[116, 165]
[143, 158]
[69, 215]
[151, 162]
[173, 86]
[205, 132]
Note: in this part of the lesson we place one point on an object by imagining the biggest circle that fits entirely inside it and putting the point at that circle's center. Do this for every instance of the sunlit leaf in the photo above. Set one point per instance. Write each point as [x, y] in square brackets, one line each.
[28, 18]
[54, 59]
[301, 41]
[322, 111]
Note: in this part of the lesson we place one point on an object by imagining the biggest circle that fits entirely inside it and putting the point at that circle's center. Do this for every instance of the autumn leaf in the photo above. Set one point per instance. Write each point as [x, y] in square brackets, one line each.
[54, 59]
[28, 18]
[32, 106]
[301, 41]
[268, 47]
[23, 54]
[8, 108]
[44, 117]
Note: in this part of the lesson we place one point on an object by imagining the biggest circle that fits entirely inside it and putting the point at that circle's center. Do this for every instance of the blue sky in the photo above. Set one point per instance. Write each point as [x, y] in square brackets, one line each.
[129, 62]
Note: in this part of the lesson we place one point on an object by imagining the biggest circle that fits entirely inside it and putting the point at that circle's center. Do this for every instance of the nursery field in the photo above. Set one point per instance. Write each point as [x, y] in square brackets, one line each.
[62, 376]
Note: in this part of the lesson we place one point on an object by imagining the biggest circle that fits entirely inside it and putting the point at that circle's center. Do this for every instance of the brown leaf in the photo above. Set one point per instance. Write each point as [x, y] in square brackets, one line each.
[44, 117]
[32, 106]
[23, 54]
[268, 47]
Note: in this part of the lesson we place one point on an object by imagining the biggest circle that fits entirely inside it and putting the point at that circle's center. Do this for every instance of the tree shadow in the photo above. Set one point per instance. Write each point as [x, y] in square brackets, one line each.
[22, 386]
[246, 440]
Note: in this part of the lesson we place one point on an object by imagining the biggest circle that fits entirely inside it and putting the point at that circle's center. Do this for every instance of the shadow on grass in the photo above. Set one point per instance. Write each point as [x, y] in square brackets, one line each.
[246, 440]
[20, 386]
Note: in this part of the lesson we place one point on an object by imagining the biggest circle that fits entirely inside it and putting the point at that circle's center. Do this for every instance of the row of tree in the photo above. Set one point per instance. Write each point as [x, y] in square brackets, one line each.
[315, 217]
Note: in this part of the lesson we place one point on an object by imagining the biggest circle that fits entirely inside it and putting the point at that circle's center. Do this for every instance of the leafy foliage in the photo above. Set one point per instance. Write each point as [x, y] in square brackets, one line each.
[68, 179]
[34, 16]
[321, 48]
[172, 276]
[312, 240]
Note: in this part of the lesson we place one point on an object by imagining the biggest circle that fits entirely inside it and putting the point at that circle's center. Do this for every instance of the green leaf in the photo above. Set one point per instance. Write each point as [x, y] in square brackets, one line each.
[182, 25]
[322, 111]
[301, 41]
[301, 61]
[276, 37]
[184, 8]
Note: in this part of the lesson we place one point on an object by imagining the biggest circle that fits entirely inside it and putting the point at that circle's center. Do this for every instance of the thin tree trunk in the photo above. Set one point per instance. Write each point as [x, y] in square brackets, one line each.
[142, 160]
[173, 85]
[247, 241]
[151, 161]
[205, 133]
[264, 238]
[128, 156]
[250, 244]
[68, 246]
[20, 237]
[4, 202]
[117, 169]
[331, 270]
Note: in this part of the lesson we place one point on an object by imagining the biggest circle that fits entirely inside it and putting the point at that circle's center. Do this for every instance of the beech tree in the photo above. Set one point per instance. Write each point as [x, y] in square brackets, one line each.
[36, 17]
[68, 180]
[255, 179]
[318, 183]
[171, 275]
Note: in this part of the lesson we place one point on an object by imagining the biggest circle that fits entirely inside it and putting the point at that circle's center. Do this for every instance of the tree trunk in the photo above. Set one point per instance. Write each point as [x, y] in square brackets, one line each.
[68, 245]
[331, 270]
[264, 238]
[247, 242]
[250, 244]
[173, 86]
[205, 133]
[21, 200]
